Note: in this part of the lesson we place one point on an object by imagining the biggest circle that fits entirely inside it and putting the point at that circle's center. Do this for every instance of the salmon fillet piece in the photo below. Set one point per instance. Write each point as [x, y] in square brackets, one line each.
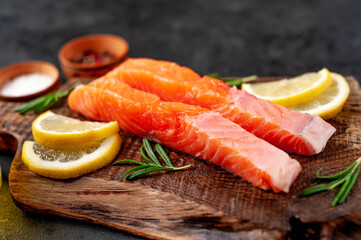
[187, 128]
[286, 129]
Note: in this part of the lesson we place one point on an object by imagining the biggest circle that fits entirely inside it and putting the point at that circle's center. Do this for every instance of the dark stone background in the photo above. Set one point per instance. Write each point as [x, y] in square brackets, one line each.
[233, 38]
[267, 38]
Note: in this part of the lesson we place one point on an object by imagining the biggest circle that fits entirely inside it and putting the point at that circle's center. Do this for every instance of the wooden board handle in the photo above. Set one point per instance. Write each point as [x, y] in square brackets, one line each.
[9, 141]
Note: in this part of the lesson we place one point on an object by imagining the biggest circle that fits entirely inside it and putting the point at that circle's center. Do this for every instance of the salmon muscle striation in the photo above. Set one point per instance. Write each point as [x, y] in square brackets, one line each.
[286, 129]
[187, 128]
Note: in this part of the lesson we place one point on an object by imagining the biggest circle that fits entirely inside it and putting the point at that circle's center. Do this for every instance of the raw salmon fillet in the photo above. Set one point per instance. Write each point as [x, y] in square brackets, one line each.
[187, 128]
[284, 128]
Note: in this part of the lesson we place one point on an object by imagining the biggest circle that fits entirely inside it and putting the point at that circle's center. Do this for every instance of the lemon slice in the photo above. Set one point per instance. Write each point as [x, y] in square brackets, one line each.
[60, 132]
[63, 164]
[330, 102]
[291, 92]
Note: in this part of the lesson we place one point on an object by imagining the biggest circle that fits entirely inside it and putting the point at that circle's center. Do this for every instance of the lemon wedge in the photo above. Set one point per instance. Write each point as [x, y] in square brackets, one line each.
[63, 164]
[291, 92]
[57, 131]
[329, 103]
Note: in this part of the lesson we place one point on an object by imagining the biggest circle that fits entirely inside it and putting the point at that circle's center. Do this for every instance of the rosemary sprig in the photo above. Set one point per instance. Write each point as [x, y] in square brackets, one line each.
[234, 81]
[347, 177]
[43, 103]
[150, 163]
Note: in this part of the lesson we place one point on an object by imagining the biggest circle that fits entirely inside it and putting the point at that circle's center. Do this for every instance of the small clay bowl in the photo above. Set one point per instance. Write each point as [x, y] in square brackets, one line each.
[75, 49]
[10, 72]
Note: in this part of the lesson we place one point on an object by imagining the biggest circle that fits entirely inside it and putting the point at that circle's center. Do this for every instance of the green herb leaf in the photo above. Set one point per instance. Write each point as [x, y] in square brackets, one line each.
[341, 192]
[321, 187]
[234, 81]
[128, 161]
[149, 150]
[148, 166]
[163, 154]
[349, 184]
[146, 159]
[43, 103]
[347, 178]
[213, 75]
[338, 175]
[23, 108]
[133, 169]
[144, 171]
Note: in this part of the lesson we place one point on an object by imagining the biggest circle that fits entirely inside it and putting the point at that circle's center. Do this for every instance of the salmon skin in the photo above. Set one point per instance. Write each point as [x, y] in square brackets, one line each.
[187, 128]
[286, 129]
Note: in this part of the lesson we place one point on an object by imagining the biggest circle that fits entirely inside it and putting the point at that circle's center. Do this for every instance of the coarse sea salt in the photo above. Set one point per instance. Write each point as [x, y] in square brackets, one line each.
[26, 84]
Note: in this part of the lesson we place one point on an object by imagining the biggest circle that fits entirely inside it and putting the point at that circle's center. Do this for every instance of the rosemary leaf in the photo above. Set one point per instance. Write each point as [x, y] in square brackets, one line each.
[43, 103]
[23, 108]
[149, 150]
[163, 154]
[338, 175]
[341, 192]
[314, 189]
[321, 187]
[133, 170]
[234, 81]
[128, 161]
[350, 185]
[181, 168]
[347, 178]
[146, 170]
[146, 159]
[148, 166]
[213, 75]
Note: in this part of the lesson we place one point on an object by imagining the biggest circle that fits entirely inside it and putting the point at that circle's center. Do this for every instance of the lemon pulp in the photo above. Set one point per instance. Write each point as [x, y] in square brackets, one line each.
[62, 164]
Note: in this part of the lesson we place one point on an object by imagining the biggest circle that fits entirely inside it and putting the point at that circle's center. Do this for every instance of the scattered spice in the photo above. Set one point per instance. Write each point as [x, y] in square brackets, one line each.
[26, 84]
[92, 57]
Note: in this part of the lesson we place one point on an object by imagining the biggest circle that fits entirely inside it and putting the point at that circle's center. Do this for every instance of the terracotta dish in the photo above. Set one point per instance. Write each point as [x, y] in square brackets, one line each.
[10, 72]
[75, 49]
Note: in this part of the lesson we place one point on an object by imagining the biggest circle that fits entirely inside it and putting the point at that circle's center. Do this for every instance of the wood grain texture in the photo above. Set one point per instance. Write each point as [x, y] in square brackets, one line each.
[204, 202]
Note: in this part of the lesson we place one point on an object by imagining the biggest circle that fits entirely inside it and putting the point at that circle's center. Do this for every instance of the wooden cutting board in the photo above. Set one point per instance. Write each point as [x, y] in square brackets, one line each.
[204, 202]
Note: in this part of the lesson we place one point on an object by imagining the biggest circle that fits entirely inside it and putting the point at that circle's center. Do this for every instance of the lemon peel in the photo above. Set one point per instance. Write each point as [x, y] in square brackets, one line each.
[294, 91]
[330, 102]
[60, 132]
